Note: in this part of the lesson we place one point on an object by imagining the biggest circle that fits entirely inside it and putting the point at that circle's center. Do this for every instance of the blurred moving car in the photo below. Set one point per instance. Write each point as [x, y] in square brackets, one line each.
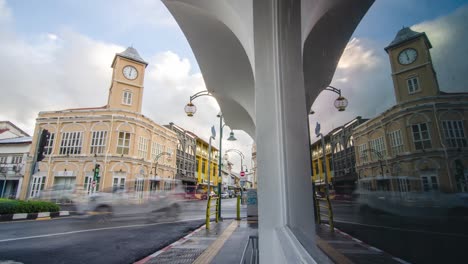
[61, 194]
[127, 201]
[410, 201]
[225, 195]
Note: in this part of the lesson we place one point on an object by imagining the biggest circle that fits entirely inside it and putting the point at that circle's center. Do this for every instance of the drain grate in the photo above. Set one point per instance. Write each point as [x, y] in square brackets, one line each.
[178, 256]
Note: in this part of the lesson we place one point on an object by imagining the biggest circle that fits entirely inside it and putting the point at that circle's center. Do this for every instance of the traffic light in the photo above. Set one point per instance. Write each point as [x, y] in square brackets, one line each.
[96, 171]
[42, 143]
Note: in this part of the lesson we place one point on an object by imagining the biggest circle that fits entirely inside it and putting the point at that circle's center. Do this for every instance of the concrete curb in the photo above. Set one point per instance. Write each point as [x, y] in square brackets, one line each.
[33, 216]
[178, 242]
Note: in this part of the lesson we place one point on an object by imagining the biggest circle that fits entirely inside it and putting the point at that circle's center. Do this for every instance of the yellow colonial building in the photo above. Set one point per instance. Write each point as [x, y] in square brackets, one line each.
[202, 165]
[420, 144]
[133, 151]
[318, 170]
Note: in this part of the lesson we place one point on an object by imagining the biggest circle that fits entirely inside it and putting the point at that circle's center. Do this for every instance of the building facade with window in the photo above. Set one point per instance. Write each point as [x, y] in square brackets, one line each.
[343, 157]
[202, 164]
[420, 144]
[13, 155]
[254, 165]
[186, 155]
[116, 136]
[321, 168]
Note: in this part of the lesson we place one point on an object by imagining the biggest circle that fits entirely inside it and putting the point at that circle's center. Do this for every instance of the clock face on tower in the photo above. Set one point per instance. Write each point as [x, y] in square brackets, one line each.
[407, 56]
[130, 72]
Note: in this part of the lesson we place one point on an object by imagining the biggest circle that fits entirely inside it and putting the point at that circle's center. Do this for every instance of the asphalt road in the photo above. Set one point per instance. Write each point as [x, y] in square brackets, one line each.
[416, 240]
[122, 239]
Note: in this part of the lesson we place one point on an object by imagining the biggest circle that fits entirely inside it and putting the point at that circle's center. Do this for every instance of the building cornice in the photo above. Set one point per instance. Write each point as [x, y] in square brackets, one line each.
[106, 115]
[400, 110]
[411, 68]
[128, 83]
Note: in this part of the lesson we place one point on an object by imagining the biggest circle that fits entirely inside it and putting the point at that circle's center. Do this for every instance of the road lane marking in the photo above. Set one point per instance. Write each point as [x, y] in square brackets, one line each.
[402, 229]
[94, 229]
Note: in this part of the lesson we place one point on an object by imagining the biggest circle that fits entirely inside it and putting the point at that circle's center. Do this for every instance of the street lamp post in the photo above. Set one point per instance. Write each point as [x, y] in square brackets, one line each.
[340, 103]
[209, 161]
[156, 160]
[190, 110]
[220, 164]
[242, 158]
[380, 157]
[246, 169]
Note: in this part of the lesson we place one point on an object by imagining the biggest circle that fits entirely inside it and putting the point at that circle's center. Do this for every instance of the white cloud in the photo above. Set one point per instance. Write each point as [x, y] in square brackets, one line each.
[449, 35]
[50, 75]
[52, 36]
[66, 69]
[364, 75]
[168, 85]
[357, 55]
[5, 13]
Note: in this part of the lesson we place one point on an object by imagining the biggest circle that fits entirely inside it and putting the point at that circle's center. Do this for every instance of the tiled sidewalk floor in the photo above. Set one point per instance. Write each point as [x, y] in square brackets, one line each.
[225, 242]
[342, 248]
[192, 247]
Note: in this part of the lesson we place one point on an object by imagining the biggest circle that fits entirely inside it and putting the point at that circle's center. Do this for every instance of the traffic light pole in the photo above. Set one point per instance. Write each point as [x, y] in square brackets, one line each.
[33, 163]
[96, 176]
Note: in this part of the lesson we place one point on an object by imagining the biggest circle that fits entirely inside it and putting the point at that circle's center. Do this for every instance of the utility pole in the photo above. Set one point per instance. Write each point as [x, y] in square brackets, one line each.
[38, 155]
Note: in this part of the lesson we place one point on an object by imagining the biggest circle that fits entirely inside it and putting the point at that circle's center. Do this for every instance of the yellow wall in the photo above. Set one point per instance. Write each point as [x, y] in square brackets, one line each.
[120, 84]
[202, 158]
[421, 68]
[317, 161]
[112, 163]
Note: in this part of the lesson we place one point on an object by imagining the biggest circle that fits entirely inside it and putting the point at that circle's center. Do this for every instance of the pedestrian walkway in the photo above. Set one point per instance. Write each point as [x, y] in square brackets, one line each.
[343, 248]
[201, 245]
[226, 242]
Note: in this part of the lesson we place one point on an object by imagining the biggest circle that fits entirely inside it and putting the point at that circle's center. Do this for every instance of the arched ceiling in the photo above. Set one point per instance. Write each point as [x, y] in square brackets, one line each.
[221, 35]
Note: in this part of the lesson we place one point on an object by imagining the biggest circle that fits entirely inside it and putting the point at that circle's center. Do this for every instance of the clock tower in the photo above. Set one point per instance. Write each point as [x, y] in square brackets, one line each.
[413, 73]
[126, 90]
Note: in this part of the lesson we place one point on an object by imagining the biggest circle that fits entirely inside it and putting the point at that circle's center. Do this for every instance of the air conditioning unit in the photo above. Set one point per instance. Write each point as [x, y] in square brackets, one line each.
[184, 172]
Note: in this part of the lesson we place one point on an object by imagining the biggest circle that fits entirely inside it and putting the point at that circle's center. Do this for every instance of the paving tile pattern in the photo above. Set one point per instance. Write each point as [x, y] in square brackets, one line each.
[178, 256]
[193, 247]
[353, 249]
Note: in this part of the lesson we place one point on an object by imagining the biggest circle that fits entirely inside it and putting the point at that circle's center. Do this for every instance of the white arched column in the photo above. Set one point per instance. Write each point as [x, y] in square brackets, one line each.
[286, 228]
[265, 61]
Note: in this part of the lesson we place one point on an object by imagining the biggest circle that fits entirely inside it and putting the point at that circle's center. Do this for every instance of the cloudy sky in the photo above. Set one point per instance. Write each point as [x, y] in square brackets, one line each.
[57, 54]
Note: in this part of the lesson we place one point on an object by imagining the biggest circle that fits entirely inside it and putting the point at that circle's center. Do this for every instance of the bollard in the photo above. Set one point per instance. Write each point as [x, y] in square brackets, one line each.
[330, 215]
[208, 213]
[238, 208]
[217, 208]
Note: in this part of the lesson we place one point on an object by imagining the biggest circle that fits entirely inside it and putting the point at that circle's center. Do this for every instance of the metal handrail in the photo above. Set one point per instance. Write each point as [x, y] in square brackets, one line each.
[254, 258]
[209, 212]
[329, 209]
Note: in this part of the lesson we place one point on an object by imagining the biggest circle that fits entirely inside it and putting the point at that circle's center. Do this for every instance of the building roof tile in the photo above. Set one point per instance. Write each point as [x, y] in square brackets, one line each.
[132, 54]
[405, 34]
